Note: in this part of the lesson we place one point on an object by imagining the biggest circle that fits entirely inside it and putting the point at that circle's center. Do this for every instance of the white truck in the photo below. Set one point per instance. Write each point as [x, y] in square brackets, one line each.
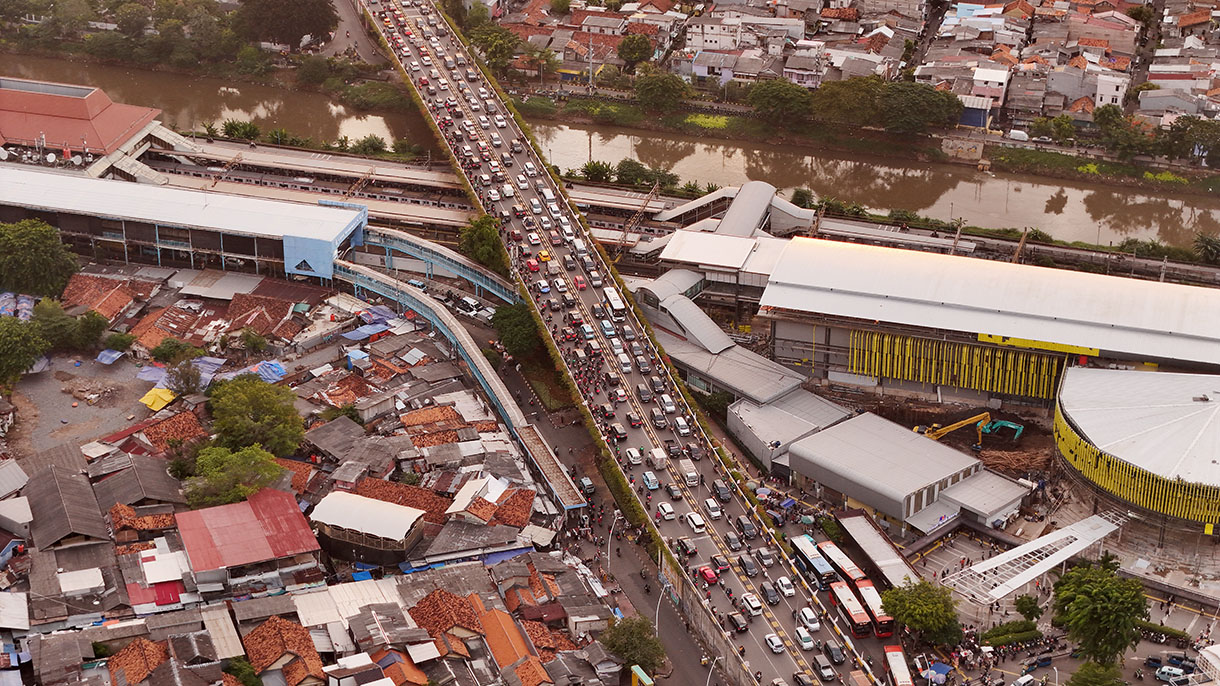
[658, 459]
[686, 469]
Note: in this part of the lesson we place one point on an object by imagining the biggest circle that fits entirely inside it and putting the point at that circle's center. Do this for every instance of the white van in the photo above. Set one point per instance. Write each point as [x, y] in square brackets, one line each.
[712, 508]
[687, 469]
[624, 363]
[681, 426]
[530, 169]
[578, 247]
[667, 403]
[1025, 680]
[548, 195]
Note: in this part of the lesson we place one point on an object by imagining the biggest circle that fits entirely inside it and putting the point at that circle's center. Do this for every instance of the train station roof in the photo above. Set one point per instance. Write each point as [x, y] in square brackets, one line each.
[1038, 307]
[53, 191]
[59, 116]
[1161, 422]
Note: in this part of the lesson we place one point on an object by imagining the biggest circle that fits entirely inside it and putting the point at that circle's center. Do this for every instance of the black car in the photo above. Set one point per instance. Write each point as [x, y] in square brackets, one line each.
[833, 652]
[747, 566]
[607, 410]
[658, 386]
[634, 420]
[617, 432]
[738, 622]
[695, 451]
[769, 593]
[746, 527]
[673, 450]
[599, 312]
[643, 393]
[675, 493]
[686, 546]
[611, 380]
[732, 541]
[803, 679]
[720, 563]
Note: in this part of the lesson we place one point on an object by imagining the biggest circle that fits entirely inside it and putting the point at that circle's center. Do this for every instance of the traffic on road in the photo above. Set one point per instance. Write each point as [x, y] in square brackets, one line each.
[782, 632]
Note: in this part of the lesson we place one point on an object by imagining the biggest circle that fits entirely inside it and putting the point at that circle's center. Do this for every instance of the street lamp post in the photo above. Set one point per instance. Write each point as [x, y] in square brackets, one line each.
[712, 669]
[656, 620]
[1056, 675]
[610, 536]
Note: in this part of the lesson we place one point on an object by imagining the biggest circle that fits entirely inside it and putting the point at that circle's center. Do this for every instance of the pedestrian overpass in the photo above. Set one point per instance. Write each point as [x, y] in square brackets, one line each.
[435, 255]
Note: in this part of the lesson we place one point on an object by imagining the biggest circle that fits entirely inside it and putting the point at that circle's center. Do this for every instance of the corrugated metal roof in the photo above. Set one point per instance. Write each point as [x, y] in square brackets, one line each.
[12, 478]
[268, 526]
[366, 515]
[698, 327]
[748, 209]
[928, 290]
[746, 373]
[36, 188]
[789, 417]
[710, 249]
[1149, 419]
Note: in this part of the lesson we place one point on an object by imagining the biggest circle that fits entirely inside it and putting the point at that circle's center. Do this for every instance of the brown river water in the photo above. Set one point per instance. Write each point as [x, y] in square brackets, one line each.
[1068, 210]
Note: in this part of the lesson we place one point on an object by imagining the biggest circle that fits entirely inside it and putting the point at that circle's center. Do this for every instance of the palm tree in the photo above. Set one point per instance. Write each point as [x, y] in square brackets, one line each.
[542, 59]
[210, 130]
[1207, 247]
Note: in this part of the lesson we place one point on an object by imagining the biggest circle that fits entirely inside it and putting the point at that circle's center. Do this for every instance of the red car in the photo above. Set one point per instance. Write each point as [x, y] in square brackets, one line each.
[531, 265]
[516, 235]
[708, 574]
[580, 282]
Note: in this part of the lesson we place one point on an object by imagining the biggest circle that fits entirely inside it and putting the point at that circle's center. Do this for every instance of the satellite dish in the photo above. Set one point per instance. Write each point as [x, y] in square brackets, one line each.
[50, 158]
[3, 154]
[89, 157]
[76, 159]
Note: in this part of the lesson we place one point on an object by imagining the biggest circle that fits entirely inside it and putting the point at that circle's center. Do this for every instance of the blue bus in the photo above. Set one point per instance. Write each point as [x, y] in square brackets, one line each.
[812, 565]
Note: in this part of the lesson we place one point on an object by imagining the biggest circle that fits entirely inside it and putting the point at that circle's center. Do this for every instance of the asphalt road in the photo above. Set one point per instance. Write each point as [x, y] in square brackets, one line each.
[422, 44]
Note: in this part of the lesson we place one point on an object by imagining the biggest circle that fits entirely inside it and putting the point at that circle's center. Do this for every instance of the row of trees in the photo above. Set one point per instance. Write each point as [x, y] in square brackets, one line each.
[1188, 138]
[371, 145]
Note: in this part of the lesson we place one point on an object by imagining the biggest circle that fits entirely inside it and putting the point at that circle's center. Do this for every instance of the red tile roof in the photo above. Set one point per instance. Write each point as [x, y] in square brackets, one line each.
[481, 508]
[433, 505]
[642, 28]
[74, 117]
[662, 6]
[276, 637]
[136, 661]
[503, 638]
[268, 526]
[124, 517]
[514, 508]
[260, 313]
[183, 428]
[399, 667]
[441, 611]
[1083, 104]
[531, 672]
[300, 472]
[1094, 42]
[1195, 18]
[430, 415]
[108, 297]
[844, 13]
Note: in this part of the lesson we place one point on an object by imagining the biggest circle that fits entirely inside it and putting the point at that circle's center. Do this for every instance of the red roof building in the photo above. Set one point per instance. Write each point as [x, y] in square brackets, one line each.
[67, 117]
[268, 526]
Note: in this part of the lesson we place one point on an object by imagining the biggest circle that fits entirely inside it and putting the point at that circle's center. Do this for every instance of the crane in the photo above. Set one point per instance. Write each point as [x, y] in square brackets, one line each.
[228, 166]
[635, 219]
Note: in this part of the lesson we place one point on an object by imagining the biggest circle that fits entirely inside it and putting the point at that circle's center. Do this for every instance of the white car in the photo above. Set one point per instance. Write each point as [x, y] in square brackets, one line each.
[507, 191]
[804, 638]
[500, 122]
[666, 510]
[809, 619]
[426, 60]
[784, 584]
[595, 279]
[752, 603]
[710, 505]
[415, 66]
[493, 195]
[483, 123]
[695, 522]
[533, 238]
[775, 643]
[522, 182]
[633, 456]
[561, 285]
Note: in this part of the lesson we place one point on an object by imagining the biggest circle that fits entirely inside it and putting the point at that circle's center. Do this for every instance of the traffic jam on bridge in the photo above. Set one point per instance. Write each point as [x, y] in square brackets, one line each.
[780, 627]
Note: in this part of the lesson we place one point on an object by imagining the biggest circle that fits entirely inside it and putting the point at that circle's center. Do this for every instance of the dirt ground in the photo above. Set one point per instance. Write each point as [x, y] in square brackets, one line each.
[1033, 453]
[106, 396]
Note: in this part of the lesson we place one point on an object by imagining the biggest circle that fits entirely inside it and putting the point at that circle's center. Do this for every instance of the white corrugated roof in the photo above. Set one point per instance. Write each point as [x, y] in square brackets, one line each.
[928, 290]
[711, 249]
[697, 326]
[367, 515]
[1149, 419]
[747, 210]
[14, 610]
[53, 191]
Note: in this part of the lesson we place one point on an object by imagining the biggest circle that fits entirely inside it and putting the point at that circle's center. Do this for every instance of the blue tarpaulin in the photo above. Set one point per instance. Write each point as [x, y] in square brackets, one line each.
[362, 576]
[152, 372]
[941, 668]
[788, 502]
[378, 314]
[108, 356]
[364, 566]
[365, 331]
[270, 371]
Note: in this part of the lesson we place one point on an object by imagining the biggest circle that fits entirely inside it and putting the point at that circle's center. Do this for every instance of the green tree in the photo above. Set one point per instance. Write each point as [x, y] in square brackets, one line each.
[1141, 13]
[89, 329]
[314, 69]
[183, 377]
[660, 92]
[20, 346]
[1041, 127]
[597, 171]
[245, 130]
[1063, 128]
[406, 148]
[928, 611]
[480, 241]
[912, 108]
[285, 21]
[633, 640]
[54, 325]
[348, 411]
[1207, 247]
[634, 49]
[108, 45]
[119, 341]
[517, 329]
[560, 7]
[225, 476]
[1027, 605]
[251, 60]
[247, 410]
[170, 34]
[369, 145]
[132, 19]
[71, 17]
[498, 45]
[542, 59]
[1093, 674]
[207, 35]
[802, 197]
[1100, 610]
[33, 259]
[171, 349]
[854, 102]
[780, 101]
[240, 667]
[630, 172]
[409, 478]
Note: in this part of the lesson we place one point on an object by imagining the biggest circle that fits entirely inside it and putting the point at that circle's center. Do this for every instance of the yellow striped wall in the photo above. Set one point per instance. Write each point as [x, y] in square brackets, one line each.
[948, 363]
[1176, 498]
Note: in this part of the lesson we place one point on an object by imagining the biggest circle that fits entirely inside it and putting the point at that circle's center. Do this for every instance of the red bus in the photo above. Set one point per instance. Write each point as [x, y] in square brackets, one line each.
[850, 609]
[840, 561]
[896, 666]
[883, 624]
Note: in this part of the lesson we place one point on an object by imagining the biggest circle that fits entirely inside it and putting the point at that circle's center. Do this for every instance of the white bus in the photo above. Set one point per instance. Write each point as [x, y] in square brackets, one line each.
[618, 311]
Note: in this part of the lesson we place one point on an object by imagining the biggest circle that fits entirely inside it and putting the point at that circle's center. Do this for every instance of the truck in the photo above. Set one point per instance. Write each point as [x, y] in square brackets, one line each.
[686, 468]
[657, 458]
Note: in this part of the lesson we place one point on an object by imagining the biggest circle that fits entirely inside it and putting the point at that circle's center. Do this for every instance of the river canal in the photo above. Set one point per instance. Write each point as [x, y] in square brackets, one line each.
[1071, 211]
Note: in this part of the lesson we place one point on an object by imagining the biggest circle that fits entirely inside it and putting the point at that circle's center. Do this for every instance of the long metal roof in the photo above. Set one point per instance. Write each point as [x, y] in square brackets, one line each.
[745, 214]
[366, 515]
[892, 565]
[1167, 424]
[928, 290]
[63, 192]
